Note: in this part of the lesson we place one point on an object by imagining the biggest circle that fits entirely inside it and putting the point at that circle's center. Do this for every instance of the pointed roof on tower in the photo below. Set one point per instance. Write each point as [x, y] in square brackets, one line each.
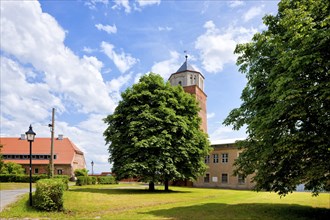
[186, 67]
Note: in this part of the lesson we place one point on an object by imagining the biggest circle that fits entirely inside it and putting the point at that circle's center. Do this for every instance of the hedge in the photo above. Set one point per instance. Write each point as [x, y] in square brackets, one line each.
[21, 178]
[107, 180]
[49, 194]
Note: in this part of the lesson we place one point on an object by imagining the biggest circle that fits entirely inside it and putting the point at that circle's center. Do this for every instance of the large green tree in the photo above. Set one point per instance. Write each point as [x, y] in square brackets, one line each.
[286, 101]
[155, 135]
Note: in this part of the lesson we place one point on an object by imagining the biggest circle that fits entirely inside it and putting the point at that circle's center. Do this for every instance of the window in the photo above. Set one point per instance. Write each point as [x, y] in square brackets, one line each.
[207, 159]
[224, 178]
[241, 179]
[59, 172]
[215, 158]
[224, 158]
[207, 178]
[36, 170]
[180, 83]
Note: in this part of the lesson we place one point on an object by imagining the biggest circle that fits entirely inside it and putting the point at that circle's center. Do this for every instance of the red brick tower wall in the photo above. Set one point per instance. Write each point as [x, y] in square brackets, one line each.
[201, 98]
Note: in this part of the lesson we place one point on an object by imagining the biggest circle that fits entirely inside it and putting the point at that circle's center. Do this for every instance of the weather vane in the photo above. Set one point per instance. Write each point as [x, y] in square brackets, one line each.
[186, 52]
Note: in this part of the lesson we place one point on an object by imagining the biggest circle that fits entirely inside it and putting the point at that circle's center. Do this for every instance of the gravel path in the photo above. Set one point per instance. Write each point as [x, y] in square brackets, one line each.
[9, 196]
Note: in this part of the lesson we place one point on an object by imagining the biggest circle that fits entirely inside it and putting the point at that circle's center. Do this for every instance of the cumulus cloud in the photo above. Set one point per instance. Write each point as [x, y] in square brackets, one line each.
[210, 115]
[144, 3]
[165, 28]
[37, 39]
[107, 28]
[236, 3]
[116, 84]
[91, 4]
[38, 72]
[122, 60]
[217, 46]
[253, 12]
[122, 4]
[166, 67]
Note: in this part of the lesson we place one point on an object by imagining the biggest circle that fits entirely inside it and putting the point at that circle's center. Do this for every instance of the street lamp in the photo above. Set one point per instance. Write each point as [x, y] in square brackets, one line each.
[30, 138]
[92, 167]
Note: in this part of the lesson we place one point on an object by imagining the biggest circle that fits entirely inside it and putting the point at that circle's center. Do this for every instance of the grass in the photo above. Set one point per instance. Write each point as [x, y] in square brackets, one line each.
[133, 201]
[11, 186]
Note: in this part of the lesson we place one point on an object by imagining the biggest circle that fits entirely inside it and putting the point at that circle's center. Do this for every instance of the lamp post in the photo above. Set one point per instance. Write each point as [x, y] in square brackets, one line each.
[92, 167]
[30, 138]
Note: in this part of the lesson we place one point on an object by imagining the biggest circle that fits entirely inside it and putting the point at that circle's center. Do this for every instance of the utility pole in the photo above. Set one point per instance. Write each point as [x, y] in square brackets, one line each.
[51, 160]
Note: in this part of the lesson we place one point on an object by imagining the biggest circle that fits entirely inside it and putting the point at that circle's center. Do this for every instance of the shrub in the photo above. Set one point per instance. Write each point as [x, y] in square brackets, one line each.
[80, 172]
[107, 180]
[81, 180]
[21, 178]
[85, 180]
[12, 168]
[49, 195]
[65, 180]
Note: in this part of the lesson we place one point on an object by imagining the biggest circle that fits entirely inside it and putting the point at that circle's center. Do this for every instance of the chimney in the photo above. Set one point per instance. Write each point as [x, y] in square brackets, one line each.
[60, 137]
[22, 137]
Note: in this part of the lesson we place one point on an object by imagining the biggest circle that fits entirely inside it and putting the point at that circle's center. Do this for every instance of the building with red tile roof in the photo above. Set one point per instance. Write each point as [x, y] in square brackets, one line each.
[67, 156]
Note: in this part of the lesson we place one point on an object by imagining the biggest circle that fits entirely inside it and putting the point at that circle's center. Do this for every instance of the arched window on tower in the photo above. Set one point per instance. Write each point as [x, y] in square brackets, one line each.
[191, 80]
[180, 83]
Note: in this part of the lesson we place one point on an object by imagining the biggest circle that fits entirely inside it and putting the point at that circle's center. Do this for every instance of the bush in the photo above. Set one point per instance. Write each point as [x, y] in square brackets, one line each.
[80, 172]
[21, 178]
[65, 180]
[49, 195]
[85, 180]
[81, 180]
[107, 180]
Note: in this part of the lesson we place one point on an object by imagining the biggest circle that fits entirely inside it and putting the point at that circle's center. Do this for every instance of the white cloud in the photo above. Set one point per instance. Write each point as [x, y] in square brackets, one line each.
[37, 39]
[38, 72]
[88, 50]
[253, 12]
[92, 3]
[107, 28]
[165, 28]
[122, 60]
[166, 67]
[210, 115]
[217, 46]
[122, 3]
[236, 3]
[115, 85]
[144, 3]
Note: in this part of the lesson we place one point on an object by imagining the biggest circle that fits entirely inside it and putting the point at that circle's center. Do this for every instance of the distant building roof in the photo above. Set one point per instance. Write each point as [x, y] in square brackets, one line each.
[64, 149]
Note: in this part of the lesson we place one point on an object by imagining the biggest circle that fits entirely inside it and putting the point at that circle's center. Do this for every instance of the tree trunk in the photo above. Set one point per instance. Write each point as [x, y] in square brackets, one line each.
[166, 185]
[151, 186]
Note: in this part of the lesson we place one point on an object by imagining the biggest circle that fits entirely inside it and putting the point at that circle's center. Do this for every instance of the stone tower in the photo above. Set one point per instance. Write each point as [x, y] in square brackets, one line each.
[192, 82]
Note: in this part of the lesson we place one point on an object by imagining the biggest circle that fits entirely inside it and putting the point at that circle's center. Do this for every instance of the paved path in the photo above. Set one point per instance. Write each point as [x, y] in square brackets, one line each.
[9, 196]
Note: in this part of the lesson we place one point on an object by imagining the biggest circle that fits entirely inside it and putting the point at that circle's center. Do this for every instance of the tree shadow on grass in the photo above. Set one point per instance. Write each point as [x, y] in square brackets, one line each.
[125, 191]
[242, 211]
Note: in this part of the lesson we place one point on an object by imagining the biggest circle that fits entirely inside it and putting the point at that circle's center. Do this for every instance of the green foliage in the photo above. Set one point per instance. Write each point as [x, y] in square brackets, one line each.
[107, 180]
[21, 178]
[11, 168]
[286, 101]
[81, 172]
[85, 180]
[155, 133]
[1, 158]
[49, 195]
[65, 180]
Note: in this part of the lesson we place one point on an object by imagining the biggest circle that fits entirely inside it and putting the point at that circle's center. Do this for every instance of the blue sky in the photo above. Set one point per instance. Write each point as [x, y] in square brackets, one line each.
[78, 56]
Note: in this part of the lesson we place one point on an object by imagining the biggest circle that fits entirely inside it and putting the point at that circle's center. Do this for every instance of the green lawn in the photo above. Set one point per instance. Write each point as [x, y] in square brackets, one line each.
[133, 201]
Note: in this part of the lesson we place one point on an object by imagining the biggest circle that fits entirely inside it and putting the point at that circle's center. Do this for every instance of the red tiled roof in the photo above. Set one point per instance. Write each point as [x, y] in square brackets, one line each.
[64, 149]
